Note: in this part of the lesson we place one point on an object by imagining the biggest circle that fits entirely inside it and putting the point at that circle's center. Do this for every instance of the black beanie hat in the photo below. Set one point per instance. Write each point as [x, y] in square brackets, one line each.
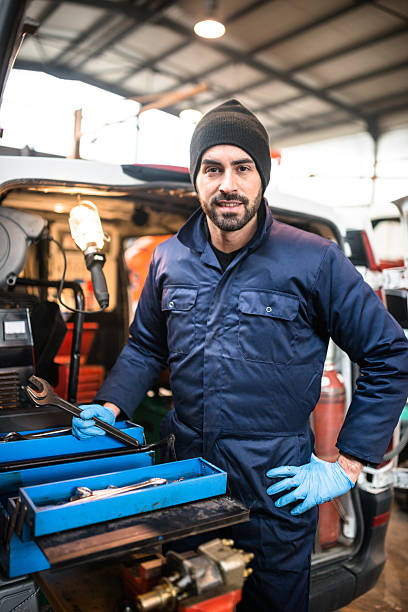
[233, 124]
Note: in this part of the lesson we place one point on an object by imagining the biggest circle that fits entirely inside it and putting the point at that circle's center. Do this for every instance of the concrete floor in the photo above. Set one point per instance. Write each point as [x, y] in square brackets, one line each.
[391, 590]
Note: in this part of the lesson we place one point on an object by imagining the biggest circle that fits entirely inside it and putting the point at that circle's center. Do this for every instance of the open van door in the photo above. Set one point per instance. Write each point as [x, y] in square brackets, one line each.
[12, 31]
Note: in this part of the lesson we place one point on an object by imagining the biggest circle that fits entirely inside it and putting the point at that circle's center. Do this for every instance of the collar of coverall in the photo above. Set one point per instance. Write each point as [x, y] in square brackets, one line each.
[193, 235]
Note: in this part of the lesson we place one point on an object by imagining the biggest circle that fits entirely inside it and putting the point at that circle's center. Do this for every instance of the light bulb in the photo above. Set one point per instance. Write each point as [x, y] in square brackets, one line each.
[209, 28]
[85, 226]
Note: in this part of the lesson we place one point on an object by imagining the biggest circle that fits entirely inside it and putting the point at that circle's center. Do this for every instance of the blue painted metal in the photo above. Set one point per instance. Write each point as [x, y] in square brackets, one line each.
[10, 482]
[65, 445]
[47, 512]
[45, 490]
[25, 558]
[22, 557]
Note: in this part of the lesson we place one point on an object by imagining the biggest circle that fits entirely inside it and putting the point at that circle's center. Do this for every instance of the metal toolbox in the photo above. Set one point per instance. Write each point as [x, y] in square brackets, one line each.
[12, 480]
[62, 445]
[46, 461]
[49, 509]
[34, 500]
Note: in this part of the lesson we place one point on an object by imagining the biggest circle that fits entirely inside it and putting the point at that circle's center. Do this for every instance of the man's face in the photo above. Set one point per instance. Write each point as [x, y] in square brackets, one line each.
[229, 187]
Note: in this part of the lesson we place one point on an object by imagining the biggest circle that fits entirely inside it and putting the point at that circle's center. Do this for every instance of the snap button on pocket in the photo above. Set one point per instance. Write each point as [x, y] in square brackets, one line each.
[171, 304]
[268, 309]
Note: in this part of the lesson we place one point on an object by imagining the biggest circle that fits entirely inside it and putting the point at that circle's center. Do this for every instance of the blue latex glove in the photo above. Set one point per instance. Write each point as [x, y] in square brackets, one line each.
[84, 427]
[314, 483]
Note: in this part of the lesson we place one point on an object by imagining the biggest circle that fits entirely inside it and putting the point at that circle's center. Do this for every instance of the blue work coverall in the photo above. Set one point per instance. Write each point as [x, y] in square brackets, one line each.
[246, 349]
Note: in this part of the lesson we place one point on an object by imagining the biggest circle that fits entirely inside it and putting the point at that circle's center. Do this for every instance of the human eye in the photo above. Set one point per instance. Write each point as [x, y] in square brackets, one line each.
[212, 170]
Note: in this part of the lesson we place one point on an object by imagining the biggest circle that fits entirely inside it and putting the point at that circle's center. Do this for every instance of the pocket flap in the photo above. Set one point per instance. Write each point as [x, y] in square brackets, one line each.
[269, 304]
[178, 298]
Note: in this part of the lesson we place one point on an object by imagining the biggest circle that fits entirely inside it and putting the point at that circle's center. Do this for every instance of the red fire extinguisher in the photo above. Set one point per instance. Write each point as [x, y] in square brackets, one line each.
[328, 417]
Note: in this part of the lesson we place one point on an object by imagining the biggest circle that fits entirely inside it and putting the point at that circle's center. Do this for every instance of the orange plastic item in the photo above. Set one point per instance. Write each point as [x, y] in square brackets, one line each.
[222, 603]
[90, 379]
[137, 258]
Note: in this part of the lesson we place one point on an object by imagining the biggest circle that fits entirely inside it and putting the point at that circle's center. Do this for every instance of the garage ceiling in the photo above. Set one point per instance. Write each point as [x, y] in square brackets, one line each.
[309, 69]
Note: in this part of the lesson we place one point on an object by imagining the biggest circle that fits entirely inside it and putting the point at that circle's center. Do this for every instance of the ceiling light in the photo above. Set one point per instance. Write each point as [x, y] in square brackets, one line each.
[191, 115]
[209, 28]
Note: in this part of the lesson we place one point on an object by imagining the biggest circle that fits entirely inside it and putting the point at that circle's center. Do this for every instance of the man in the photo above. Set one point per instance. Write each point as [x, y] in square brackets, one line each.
[241, 307]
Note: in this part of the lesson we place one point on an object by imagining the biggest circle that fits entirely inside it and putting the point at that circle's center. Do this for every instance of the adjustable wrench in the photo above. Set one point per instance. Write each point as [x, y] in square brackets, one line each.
[41, 394]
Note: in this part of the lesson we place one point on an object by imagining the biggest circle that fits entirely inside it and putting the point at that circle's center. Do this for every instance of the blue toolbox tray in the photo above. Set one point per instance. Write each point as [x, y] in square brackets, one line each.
[11, 481]
[56, 446]
[48, 509]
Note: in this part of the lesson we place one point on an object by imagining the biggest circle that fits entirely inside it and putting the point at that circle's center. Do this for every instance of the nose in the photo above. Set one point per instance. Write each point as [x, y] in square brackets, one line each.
[227, 183]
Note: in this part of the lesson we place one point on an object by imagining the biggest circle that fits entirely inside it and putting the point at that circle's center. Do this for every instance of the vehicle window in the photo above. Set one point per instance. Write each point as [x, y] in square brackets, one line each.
[389, 241]
[358, 253]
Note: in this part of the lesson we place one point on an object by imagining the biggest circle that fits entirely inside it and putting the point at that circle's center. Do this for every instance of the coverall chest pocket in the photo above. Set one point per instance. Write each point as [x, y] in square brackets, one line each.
[267, 328]
[178, 302]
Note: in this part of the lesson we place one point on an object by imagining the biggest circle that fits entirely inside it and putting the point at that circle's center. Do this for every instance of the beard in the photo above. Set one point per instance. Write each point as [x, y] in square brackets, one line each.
[231, 222]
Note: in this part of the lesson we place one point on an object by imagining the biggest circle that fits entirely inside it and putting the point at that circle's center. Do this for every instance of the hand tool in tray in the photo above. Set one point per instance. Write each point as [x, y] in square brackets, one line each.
[41, 394]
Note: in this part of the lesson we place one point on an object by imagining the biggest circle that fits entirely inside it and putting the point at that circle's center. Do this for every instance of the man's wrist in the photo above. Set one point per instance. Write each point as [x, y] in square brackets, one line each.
[350, 465]
[115, 409]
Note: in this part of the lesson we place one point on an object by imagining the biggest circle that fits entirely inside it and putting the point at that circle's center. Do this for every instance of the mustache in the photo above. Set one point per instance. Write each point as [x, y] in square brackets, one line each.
[227, 197]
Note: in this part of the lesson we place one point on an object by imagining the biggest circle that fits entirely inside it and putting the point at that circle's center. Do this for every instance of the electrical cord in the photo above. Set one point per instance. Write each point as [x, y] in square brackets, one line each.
[61, 285]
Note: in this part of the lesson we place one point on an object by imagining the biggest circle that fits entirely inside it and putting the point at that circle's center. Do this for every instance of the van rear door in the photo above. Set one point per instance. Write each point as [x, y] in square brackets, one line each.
[12, 31]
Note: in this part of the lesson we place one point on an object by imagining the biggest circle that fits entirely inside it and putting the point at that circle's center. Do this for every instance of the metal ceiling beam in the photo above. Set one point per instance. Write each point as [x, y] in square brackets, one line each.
[293, 126]
[319, 60]
[309, 26]
[138, 15]
[325, 117]
[46, 12]
[372, 126]
[269, 107]
[327, 57]
[366, 75]
[100, 23]
[390, 11]
[127, 8]
[247, 9]
[272, 42]
[286, 76]
[118, 31]
[274, 73]
[312, 119]
[148, 65]
[385, 99]
[391, 109]
[331, 87]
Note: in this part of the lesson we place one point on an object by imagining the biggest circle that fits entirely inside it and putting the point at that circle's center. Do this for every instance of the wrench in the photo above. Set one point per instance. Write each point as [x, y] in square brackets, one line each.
[84, 493]
[41, 394]
[12, 436]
